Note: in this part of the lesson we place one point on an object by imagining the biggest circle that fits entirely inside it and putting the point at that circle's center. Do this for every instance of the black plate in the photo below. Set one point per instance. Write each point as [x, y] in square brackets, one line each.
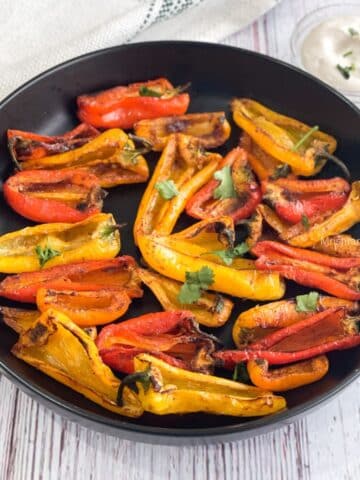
[47, 105]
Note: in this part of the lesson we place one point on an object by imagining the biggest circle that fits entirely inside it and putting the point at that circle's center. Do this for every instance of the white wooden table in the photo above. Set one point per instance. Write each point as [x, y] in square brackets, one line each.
[37, 444]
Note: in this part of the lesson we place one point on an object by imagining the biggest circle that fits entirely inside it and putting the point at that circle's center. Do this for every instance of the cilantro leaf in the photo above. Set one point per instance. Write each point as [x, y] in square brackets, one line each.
[167, 189]
[345, 71]
[240, 373]
[353, 32]
[305, 221]
[348, 53]
[226, 188]
[307, 302]
[145, 91]
[45, 254]
[195, 284]
[228, 255]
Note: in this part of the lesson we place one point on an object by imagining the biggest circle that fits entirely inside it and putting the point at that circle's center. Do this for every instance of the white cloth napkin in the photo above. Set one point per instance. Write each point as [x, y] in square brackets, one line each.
[36, 35]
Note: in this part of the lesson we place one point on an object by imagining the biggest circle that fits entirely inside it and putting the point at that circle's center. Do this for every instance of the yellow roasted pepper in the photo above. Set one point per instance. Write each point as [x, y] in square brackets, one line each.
[339, 222]
[164, 389]
[285, 139]
[191, 250]
[111, 157]
[62, 350]
[211, 309]
[50, 244]
[182, 169]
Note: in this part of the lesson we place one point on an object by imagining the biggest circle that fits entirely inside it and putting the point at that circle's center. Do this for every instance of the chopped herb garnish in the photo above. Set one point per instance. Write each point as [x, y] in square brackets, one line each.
[305, 221]
[305, 137]
[345, 71]
[226, 188]
[145, 91]
[240, 373]
[110, 228]
[346, 54]
[353, 32]
[281, 171]
[45, 254]
[195, 284]
[228, 255]
[307, 302]
[167, 189]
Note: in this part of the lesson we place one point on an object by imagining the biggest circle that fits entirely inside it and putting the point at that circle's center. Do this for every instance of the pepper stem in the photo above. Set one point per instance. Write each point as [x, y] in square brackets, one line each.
[337, 161]
[130, 381]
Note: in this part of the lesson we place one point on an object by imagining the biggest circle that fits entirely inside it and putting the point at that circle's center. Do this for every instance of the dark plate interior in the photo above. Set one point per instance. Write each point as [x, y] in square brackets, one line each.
[217, 73]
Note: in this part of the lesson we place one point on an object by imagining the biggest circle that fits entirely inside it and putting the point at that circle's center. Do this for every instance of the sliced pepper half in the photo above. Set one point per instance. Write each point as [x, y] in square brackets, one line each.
[287, 140]
[62, 350]
[51, 244]
[212, 129]
[165, 389]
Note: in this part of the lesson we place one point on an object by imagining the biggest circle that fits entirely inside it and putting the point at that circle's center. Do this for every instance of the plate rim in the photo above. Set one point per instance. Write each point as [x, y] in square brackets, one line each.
[254, 427]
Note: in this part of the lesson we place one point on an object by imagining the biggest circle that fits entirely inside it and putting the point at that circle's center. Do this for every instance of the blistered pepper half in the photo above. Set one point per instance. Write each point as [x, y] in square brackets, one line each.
[302, 200]
[331, 329]
[52, 244]
[261, 320]
[193, 248]
[173, 336]
[111, 157]
[47, 196]
[211, 309]
[211, 129]
[334, 275]
[337, 223]
[123, 106]
[182, 169]
[92, 275]
[289, 377]
[86, 308]
[29, 146]
[164, 389]
[63, 351]
[241, 198]
[289, 141]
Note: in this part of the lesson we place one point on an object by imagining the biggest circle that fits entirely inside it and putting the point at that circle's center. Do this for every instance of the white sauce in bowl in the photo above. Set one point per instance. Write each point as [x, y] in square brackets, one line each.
[331, 51]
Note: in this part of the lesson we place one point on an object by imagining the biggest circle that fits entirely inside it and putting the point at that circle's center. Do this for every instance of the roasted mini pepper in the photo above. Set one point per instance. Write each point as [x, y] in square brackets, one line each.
[212, 129]
[164, 389]
[337, 223]
[111, 157]
[91, 275]
[296, 200]
[123, 106]
[182, 169]
[259, 321]
[339, 246]
[323, 332]
[172, 336]
[85, 308]
[29, 146]
[288, 377]
[47, 196]
[193, 249]
[62, 350]
[211, 309]
[19, 319]
[333, 275]
[240, 198]
[287, 140]
[51, 244]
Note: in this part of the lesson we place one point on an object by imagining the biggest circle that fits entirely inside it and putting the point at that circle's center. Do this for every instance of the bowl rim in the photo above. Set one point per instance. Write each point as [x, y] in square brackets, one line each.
[254, 427]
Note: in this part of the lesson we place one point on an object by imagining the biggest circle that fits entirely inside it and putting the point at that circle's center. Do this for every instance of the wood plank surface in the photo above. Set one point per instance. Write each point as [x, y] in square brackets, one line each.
[38, 444]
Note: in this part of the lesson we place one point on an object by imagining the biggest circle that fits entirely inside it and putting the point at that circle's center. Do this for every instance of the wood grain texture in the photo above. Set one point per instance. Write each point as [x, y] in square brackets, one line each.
[38, 444]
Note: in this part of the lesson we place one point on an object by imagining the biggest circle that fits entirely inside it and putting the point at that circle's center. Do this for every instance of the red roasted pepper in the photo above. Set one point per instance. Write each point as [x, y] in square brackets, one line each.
[294, 200]
[323, 332]
[335, 275]
[247, 194]
[49, 196]
[123, 106]
[172, 336]
[29, 146]
[117, 273]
